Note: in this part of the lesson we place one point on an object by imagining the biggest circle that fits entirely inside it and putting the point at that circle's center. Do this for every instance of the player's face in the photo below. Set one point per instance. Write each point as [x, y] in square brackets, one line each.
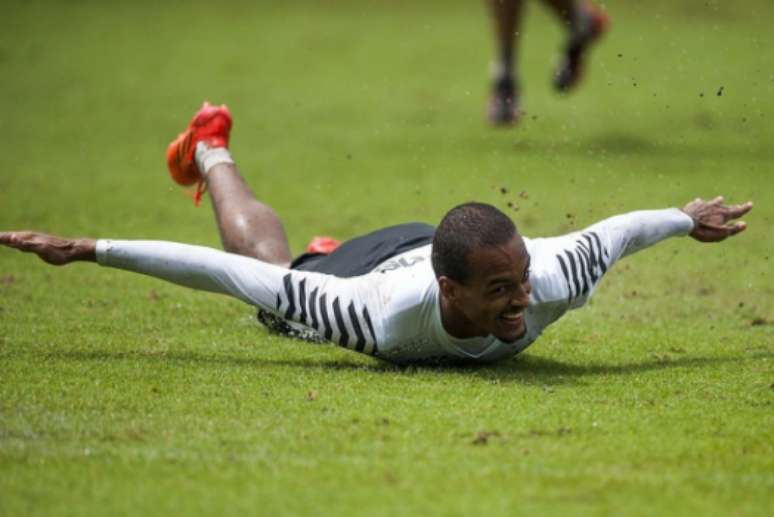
[494, 298]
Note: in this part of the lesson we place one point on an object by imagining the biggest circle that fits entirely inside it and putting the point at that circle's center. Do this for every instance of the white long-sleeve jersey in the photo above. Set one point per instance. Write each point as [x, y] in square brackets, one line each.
[393, 312]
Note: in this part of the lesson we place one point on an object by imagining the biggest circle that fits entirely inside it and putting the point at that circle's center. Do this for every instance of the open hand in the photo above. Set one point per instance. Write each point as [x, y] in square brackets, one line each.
[712, 218]
[52, 249]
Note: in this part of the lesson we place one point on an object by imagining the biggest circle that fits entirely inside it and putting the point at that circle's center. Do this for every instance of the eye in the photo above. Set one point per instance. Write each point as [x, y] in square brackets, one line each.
[527, 272]
[498, 291]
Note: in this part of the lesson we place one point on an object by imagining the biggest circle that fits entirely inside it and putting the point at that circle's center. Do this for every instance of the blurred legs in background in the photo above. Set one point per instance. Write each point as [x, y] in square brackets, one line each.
[584, 23]
[504, 102]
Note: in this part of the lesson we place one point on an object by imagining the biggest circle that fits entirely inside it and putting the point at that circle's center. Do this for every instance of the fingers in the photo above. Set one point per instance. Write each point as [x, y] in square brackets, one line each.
[23, 241]
[737, 228]
[715, 228]
[10, 239]
[731, 230]
[736, 211]
[708, 232]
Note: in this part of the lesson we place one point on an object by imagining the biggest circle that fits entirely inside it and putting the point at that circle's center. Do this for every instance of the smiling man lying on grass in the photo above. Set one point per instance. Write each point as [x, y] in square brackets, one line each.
[472, 289]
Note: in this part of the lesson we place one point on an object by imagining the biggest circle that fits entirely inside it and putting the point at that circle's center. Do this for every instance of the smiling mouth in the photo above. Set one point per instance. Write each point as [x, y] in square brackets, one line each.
[513, 326]
[512, 318]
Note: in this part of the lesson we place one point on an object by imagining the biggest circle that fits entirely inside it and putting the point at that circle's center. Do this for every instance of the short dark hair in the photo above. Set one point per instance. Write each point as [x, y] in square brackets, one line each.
[464, 228]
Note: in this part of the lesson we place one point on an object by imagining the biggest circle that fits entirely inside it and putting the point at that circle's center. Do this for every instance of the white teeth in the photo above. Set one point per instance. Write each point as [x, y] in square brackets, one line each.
[512, 317]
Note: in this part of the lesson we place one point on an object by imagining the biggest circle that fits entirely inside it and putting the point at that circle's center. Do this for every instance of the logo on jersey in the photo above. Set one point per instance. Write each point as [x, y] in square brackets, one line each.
[393, 264]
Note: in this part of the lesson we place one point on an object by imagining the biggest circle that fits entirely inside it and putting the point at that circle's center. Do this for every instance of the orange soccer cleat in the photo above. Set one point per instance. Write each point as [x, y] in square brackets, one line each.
[322, 245]
[211, 125]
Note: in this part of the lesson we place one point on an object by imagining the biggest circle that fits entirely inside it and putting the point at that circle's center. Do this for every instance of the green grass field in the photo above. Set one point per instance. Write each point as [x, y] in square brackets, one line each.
[121, 395]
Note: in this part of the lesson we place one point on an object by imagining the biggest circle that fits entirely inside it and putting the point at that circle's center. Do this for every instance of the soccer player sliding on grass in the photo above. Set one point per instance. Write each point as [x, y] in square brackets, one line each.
[472, 289]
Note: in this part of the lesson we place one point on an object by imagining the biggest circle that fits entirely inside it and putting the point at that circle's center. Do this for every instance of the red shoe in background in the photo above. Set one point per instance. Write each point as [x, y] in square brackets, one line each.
[323, 245]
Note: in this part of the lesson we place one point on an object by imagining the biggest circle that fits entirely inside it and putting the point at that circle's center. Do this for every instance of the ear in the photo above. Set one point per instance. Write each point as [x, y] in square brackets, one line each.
[450, 289]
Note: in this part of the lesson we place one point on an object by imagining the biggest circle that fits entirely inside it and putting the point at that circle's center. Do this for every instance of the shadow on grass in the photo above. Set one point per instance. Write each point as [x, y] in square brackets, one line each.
[530, 369]
[525, 369]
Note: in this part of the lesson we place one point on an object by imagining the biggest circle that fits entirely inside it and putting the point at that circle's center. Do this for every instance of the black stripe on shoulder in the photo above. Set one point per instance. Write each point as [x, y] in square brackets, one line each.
[566, 274]
[585, 257]
[343, 334]
[367, 318]
[360, 345]
[302, 300]
[325, 318]
[602, 249]
[313, 307]
[593, 262]
[582, 269]
[574, 274]
[287, 280]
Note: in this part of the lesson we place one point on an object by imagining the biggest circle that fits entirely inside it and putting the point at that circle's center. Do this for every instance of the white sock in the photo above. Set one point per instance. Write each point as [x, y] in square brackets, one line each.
[501, 68]
[208, 157]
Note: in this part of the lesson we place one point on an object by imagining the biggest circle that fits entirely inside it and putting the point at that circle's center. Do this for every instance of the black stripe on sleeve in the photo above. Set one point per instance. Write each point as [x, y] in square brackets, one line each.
[582, 269]
[279, 302]
[326, 320]
[601, 249]
[302, 300]
[574, 273]
[367, 318]
[289, 293]
[588, 259]
[566, 277]
[360, 345]
[313, 308]
[594, 258]
[343, 334]
[587, 267]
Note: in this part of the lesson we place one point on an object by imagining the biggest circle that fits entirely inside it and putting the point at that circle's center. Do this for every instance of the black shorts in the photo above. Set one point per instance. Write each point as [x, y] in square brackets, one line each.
[362, 254]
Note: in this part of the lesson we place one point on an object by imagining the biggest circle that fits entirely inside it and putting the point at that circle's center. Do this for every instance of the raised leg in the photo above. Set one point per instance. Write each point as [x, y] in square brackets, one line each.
[247, 226]
[199, 155]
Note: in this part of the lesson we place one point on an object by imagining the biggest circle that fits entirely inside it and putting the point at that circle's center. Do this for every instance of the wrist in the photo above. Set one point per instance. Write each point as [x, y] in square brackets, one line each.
[84, 249]
[694, 220]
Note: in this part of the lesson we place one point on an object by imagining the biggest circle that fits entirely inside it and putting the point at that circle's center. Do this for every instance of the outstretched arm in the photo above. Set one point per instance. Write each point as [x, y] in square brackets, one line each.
[343, 310]
[705, 221]
[584, 257]
[197, 267]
